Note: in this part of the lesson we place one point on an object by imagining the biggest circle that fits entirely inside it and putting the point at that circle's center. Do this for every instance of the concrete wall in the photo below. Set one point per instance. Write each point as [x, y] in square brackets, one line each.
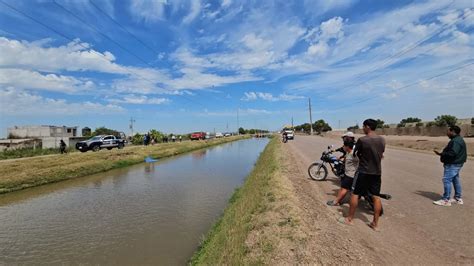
[13, 144]
[42, 131]
[466, 130]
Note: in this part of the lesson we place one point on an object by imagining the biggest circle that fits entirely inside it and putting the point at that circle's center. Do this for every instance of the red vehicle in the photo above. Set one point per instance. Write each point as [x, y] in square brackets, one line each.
[198, 136]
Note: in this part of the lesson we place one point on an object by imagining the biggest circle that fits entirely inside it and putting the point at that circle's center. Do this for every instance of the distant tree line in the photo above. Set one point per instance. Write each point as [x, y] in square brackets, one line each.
[318, 127]
[251, 131]
[439, 121]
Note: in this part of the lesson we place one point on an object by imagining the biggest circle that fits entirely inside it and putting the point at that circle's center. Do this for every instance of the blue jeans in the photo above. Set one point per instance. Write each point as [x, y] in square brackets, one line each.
[451, 176]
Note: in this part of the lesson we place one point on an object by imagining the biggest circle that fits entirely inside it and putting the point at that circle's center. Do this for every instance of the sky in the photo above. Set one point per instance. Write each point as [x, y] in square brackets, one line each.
[182, 66]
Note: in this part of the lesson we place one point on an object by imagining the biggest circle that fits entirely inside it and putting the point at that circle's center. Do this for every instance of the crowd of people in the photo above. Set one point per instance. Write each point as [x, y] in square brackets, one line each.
[363, 170]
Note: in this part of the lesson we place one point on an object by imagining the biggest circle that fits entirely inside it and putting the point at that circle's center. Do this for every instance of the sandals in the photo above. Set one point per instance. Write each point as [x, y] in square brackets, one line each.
[332, 203]
[344, 221]
[371, 225]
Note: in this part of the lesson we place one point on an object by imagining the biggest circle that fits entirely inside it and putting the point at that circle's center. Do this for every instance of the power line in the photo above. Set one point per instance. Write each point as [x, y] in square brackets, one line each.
[91, 50]
[406, 86]
[403, 52]
[122, 27]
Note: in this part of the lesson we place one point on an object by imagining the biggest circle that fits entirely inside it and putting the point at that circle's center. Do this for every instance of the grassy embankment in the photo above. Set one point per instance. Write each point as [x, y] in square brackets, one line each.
[30, 172]
[260, 221]
[30, 152]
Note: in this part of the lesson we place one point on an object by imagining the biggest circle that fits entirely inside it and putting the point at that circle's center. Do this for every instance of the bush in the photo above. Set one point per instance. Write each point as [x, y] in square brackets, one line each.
[472, 121]
[446, 120]
[430, 124]
[386, 126]
[419, 124]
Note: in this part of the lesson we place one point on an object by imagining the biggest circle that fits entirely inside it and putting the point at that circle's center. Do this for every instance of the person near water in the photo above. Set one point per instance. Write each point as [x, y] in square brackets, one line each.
[351, 163]
[453, 157]
[62, 146]
[369, 149]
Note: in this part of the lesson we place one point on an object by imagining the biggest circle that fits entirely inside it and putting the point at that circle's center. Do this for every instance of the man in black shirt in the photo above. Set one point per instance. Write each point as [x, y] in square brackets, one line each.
[369, 149]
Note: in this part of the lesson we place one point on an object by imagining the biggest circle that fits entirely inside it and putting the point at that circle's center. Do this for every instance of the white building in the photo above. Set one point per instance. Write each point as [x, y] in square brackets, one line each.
[41, 131]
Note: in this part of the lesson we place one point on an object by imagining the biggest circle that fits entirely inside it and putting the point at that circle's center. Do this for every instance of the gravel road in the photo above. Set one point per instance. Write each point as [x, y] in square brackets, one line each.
[413, 230]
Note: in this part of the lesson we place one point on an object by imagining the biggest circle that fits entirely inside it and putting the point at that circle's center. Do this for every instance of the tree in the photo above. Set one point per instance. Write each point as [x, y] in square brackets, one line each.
[472, 121]
[445, 120]
[380, 123]
[405, 121]
[157, 135]
[321, 126]
[352, 128]
[104, 131]
[137, 139]
[241, 130]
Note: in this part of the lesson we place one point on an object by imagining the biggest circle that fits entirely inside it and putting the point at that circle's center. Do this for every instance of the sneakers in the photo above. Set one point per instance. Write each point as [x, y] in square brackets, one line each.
[442, 202]
[457, 201]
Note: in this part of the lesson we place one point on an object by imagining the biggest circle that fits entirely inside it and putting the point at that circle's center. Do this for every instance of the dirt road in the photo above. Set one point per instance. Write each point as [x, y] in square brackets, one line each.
[413, 230]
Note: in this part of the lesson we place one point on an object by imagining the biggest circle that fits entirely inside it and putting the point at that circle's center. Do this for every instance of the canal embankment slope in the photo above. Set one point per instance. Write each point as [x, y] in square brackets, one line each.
[17, 174]
[268, 222]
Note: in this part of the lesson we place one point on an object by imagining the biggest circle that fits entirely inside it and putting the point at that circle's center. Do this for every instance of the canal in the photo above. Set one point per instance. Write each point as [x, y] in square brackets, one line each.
[144, 214]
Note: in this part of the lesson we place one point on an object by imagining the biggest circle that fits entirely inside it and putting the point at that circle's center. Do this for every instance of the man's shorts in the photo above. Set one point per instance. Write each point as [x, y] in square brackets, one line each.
[346, 182]
[364, 183]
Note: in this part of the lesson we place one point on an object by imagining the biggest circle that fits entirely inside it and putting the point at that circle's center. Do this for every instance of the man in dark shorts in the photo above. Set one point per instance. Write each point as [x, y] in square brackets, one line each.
[369, 149]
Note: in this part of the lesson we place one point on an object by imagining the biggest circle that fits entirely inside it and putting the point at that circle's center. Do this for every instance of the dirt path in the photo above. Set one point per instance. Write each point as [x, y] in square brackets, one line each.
[413, 230]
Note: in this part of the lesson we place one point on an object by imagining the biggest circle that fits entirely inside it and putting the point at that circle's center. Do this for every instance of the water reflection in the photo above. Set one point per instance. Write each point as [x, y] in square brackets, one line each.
[145, 214]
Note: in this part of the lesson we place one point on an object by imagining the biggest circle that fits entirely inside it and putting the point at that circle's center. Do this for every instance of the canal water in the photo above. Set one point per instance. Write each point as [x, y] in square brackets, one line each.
[144, 214]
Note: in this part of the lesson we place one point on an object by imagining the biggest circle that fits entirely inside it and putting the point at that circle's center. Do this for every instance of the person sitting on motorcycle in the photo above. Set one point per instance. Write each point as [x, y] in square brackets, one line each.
[349, 136]
[351, 163]
[285, 136]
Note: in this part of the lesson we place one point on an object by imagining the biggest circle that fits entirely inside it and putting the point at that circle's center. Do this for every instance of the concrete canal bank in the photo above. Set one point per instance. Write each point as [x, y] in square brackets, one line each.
[19, 174]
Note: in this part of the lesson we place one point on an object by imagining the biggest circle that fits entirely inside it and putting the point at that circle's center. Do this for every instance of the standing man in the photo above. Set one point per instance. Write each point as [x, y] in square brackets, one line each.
[453, 157]
[369, 149]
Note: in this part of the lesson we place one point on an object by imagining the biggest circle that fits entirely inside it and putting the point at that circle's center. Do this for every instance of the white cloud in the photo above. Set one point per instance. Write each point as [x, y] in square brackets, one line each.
[226, 3]
[319, 49]
[27, 79]
[140, 99]
[149, 11]
[194, 12]
[252, 96]
[75, 56]
[21, 103]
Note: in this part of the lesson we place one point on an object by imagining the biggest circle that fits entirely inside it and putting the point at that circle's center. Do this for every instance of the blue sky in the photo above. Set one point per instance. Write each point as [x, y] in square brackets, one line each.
[181, 66]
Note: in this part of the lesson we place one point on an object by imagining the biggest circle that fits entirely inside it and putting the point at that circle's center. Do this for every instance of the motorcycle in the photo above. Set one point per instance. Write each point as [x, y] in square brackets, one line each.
[319, 171]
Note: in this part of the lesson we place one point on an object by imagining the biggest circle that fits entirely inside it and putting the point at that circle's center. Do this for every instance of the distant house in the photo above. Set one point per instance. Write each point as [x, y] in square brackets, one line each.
[41, 131]
[50, 136]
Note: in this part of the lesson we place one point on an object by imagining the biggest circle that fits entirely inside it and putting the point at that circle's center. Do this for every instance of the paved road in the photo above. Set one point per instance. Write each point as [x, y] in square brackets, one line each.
[413, 229]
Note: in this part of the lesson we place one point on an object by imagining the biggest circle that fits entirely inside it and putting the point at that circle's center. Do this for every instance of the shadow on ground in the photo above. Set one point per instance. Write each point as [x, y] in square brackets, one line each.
[428, 194]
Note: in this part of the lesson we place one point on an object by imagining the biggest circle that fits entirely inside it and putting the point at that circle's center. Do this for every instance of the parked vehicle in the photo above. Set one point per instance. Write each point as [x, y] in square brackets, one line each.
[198, 136]
[219, 135]
[101, 142]
[227, 134]
[319, 171]
[290, 134]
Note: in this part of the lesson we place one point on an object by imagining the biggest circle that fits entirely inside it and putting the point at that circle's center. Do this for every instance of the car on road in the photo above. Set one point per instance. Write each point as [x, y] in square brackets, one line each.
[198, 136]
[101, 142]
[227, 134]
[290, 134]
[219, 135]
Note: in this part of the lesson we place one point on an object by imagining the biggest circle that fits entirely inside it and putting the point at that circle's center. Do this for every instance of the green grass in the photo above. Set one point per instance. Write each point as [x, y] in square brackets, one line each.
[225, 243]
[35, 171]
[29, 152]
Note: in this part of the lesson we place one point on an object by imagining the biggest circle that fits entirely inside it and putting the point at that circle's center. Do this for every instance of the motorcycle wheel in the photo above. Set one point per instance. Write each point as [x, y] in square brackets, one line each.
[318, 171]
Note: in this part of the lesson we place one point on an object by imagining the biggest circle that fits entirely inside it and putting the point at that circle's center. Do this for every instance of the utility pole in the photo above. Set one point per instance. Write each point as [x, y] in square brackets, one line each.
[131, 126]
[238, 126]
[310, 117]
[292, 123]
